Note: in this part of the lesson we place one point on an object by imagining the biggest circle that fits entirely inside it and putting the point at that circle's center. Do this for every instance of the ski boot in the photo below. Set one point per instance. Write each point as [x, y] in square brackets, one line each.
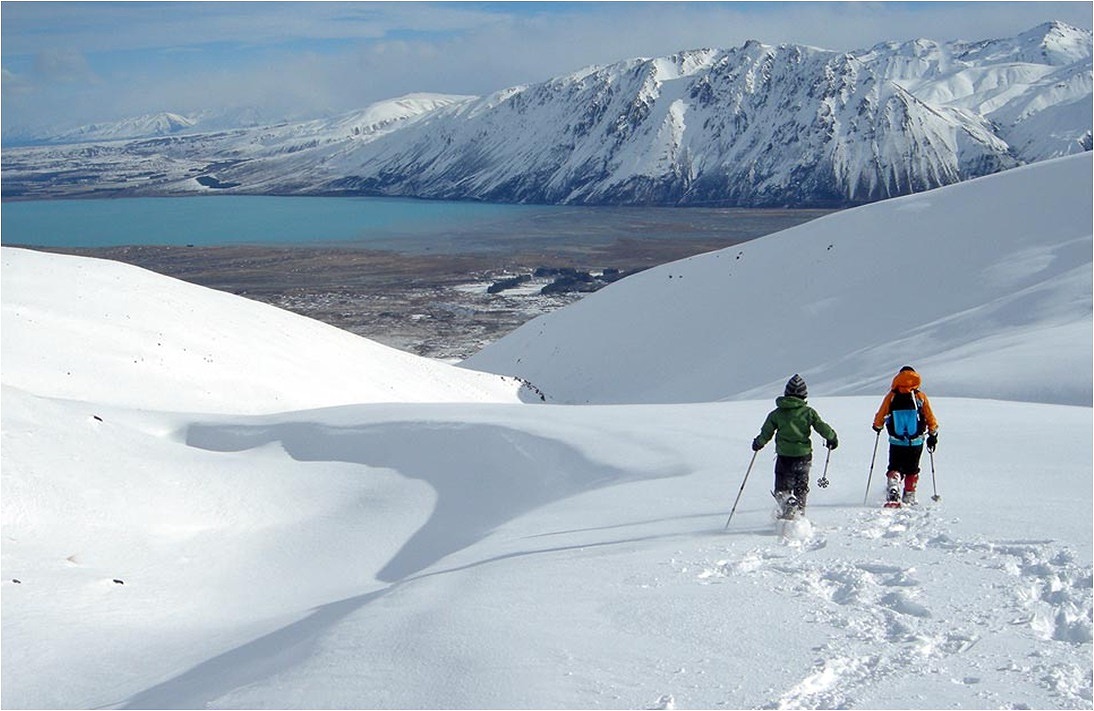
[892, 495]
[909, 490]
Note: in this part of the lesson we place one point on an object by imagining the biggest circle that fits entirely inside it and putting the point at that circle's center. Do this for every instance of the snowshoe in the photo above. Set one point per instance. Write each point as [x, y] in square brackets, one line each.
[789, 509]
[909, 499]
[892, 499]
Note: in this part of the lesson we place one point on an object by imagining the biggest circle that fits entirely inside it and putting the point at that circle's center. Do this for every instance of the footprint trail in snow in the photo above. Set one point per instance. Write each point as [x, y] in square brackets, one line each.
[898, 616]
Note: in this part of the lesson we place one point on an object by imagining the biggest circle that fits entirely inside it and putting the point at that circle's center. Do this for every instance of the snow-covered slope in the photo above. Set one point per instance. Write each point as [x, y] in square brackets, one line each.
[189, 163]
[382, 115]
[75, 328]
[523, 556]
[963, 282]
[150, 125]
[755, 125]
[164, 549]
[162, 124]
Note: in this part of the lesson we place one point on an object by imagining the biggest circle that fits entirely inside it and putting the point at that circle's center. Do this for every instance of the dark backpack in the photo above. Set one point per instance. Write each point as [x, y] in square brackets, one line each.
[906, 422]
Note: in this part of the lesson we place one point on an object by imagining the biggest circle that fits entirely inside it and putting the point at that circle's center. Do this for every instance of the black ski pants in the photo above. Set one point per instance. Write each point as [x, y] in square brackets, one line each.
[792, 474]
[905, 459]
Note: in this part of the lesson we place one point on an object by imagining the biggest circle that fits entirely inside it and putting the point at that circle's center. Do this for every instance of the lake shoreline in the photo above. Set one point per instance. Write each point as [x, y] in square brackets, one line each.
[433, 305]
[414, 276]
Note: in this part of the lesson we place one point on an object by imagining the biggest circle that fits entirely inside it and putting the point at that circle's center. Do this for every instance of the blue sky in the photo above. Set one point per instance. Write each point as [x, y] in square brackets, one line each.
[70, 63]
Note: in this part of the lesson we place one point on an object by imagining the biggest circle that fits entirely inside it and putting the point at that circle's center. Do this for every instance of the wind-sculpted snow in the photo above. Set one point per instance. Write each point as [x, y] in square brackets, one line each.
[483, 474]
[596, 553]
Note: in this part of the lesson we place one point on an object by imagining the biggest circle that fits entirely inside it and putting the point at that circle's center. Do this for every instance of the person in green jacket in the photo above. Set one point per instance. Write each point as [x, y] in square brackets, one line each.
[792, 423]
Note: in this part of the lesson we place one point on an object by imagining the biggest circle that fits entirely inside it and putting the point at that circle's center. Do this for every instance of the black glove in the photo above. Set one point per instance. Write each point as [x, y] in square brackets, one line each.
[756, 445]
[831, 444]
[877, 429]
[932, 442]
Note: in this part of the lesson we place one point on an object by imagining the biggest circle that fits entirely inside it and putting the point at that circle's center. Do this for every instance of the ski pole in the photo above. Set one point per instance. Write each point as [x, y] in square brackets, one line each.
[741, 490]
[934, 483]
[871, 476]
[823, 481]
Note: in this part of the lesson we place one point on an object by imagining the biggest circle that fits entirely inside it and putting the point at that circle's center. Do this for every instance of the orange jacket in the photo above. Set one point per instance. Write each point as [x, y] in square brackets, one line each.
[906, 381]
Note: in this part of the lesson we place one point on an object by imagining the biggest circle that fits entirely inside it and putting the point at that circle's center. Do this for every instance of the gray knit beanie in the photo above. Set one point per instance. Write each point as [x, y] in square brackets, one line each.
[795, 387]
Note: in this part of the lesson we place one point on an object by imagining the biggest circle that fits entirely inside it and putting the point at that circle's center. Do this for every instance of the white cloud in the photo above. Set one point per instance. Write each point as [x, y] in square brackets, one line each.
[305, 58]
[63, 66]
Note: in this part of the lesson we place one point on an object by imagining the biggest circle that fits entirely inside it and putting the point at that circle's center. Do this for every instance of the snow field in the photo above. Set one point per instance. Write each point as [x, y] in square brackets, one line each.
[305, 565]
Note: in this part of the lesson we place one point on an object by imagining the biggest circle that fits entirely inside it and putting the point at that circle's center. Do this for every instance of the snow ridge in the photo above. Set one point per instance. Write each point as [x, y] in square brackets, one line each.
[76, 316]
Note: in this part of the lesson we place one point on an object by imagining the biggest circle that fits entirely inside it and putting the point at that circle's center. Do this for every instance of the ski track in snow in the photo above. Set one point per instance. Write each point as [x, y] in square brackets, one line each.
[914, 629]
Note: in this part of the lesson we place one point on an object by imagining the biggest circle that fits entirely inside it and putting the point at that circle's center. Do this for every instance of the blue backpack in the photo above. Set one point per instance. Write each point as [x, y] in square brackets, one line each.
[905, 422]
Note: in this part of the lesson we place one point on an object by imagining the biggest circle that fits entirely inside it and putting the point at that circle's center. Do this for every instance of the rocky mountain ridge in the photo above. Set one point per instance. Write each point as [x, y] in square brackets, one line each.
[758, 125]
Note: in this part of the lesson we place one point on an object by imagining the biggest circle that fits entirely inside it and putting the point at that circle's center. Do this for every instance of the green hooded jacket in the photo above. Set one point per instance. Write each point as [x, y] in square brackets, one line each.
[791, 422]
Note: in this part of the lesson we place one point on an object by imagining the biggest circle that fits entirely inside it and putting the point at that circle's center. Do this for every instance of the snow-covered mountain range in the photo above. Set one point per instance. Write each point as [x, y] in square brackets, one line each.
[210, 503]
[161, 124]
[757, 125]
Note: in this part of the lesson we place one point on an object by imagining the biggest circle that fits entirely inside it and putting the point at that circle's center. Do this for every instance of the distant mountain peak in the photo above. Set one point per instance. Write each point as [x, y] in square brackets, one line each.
[1053, 43]
[158, 124]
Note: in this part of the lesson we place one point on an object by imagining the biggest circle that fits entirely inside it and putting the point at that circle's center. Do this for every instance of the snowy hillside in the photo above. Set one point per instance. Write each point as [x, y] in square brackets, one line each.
[757, 125]
[75, 328]
[97, 161]
[978, 274]
[179, 532]
[383, 114]
[150, 125]
[162, 124]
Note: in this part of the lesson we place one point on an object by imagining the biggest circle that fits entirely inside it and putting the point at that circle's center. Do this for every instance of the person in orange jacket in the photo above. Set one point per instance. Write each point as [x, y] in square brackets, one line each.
[906, 413]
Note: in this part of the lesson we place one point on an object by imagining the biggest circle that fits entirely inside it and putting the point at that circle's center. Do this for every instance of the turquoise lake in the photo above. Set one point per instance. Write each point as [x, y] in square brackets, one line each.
[404, 225]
